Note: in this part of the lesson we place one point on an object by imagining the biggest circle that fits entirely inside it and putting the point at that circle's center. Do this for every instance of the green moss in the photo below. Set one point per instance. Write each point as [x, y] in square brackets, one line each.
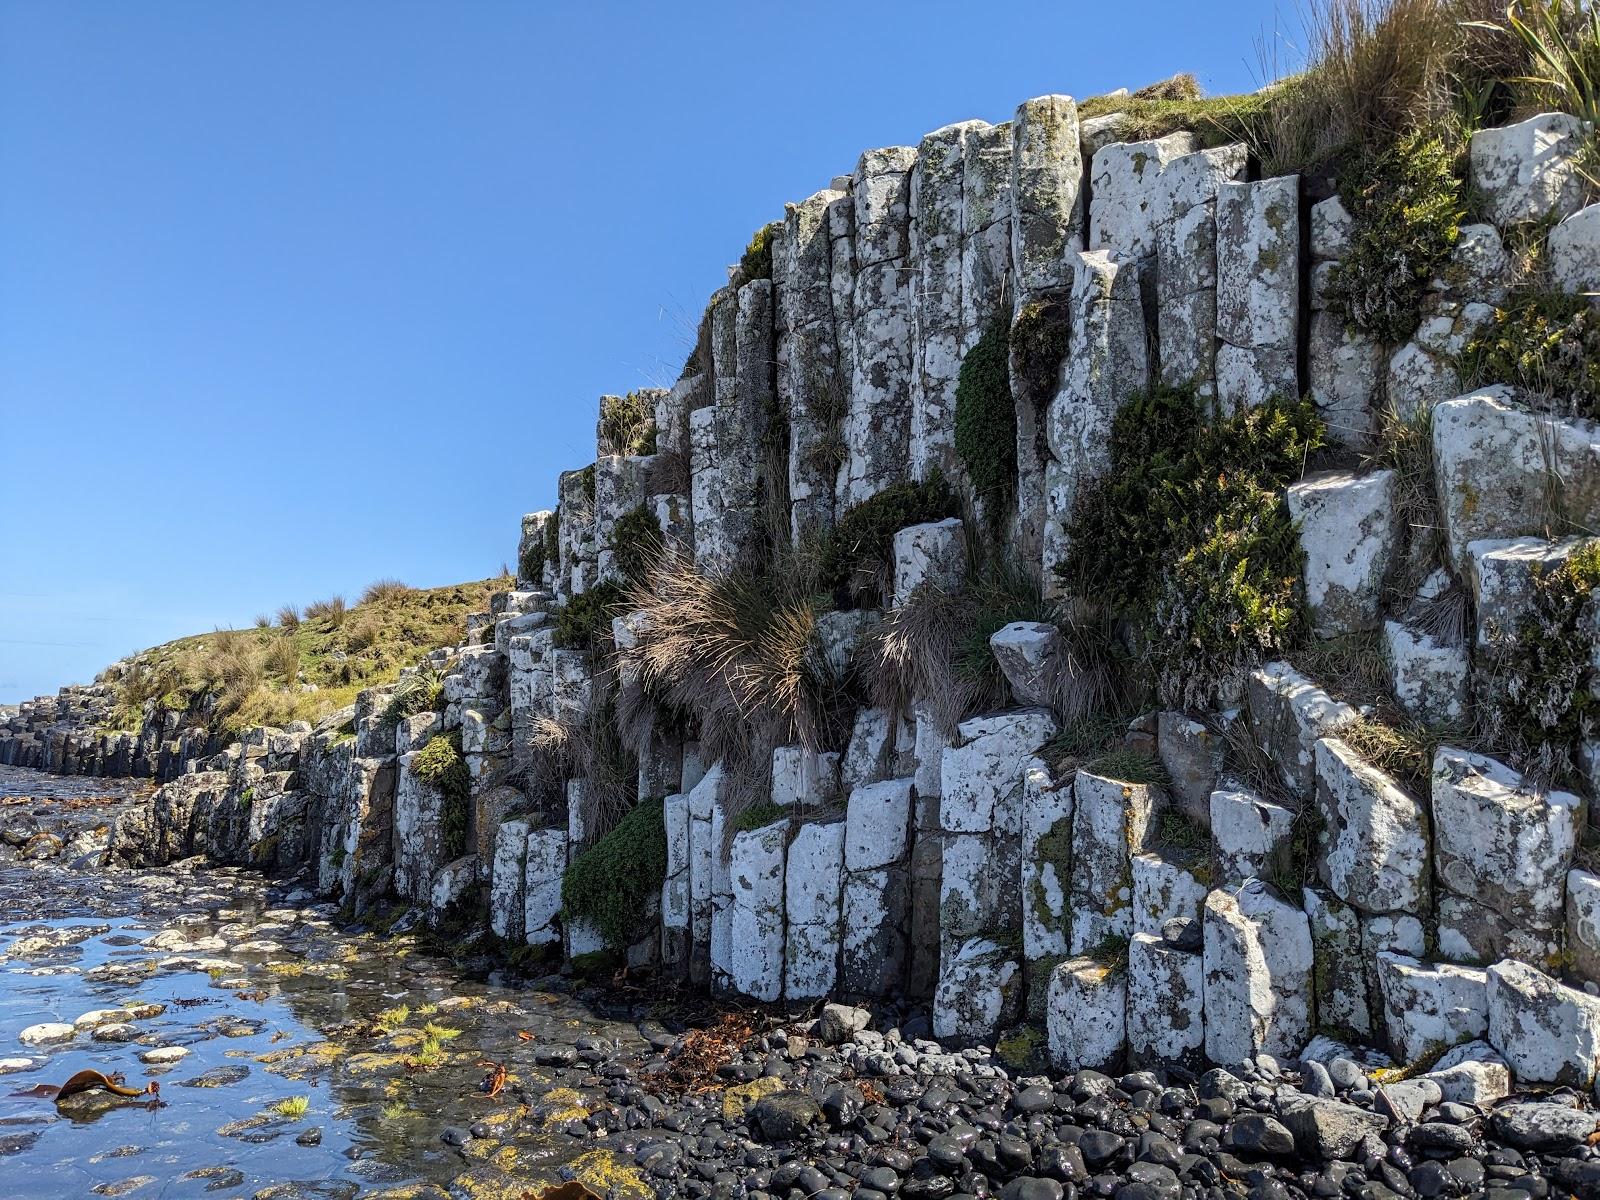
[1187, 539]
[1405, 205]
[628, 424]
[756, 262]
[1535, 688]
[1548, 344]
[597, 966]
[759, 816]
[440, 763]
[584, 621]
[1039, 339]
[530, 565]
[636, 542]
[861, 543]
[1022, 1050]
[612, 883]
[1110, 952]
[986, 418]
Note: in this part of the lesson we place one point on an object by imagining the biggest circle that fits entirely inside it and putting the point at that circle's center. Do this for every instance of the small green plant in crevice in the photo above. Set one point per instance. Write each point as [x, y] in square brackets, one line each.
[440, 763]
[612, 883]
[1535, 685]
[552, 537]
[586, 481]
[1111, 952]
[293, 1107]
[628, 424]
[1187, 539]
[856, 551]
[1405, 204]
[759, 816]
[421, 691]
[1038, 342]
[1081, 741]
[637, 543]
[986, 418]
[756, 262]
[1126, 765]
[584, 621]
[1546, 343]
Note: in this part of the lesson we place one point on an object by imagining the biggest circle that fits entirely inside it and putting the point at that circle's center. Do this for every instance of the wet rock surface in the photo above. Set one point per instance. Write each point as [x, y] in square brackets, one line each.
[398, 1053]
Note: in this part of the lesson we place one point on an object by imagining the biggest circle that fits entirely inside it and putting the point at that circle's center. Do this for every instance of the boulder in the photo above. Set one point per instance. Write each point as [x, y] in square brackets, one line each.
[933, 555]
[1258, 982]
[1374, 848]
[979, 775]
[1192, 756]
[1472, 1073]
[1547, 1032]
[1528, 171]
[1030, 656]
[1349, 530]
[1166, 998]
[1429, 1007]
[1086, 1017]
[1427, 673]
[1573, 248]
[1502, 844]
[979, 993]
[840, 1023]
[1543, 1126]
[1330, 1129]
[1503, 572]
[1250, 836]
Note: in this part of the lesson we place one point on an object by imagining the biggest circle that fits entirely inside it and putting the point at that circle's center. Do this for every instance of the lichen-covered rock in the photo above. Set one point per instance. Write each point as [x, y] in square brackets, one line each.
[1423, 374]
[1349, 530]
[545, 863]
[1472, 1073]
[1429, 1007]
[1046, 177]
[506, 880]
[1374, 846]
[1573, 248]
[1493, 464]
[877, 824]
[1046, 864]
[1192, 756]
[1502, 573]
[1428, 674]
[1166, 1000]
[1583, 924]
[1108, 365]
[755, 869]
[1528, 171]
[1288, 713]
[1470, 931]
[869, 756]
[980, 773]
[1165, 890]
[418, 813]
[1250, 836]
[1258, 975]
[1499, 842]
[451, 882]
[1258, 291]
[1113, 821]
[1342, 999]
[1548, 1033]
[1344, 367]
[813, 882]
[804, 778]
[979, 993]
[876, 887]
[932, 555]
[1087, 1015]
[1137, 188]
[1030, 656]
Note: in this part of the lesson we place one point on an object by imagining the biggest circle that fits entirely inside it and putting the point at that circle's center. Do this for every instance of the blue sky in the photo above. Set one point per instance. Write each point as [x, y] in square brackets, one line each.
[294, 296]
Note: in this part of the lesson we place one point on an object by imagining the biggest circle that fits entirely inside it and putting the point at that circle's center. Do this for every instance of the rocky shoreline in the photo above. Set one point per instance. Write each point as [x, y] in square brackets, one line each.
[635, 1091]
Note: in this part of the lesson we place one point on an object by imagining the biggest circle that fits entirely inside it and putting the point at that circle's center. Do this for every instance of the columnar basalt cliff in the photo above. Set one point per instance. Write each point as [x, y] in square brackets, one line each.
[817, 684]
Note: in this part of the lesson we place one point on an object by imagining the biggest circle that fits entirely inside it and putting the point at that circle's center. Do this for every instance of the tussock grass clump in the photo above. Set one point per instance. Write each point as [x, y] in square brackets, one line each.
[739, 655]
[289, 617]
[612, 883]
[380, 590]
[332, 610]
[756, 262]
[418, 692]
[589, 746]
[627, 424]
[1126, 765]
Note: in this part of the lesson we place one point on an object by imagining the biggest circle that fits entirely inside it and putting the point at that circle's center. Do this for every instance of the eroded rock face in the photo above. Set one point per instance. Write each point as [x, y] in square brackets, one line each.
[1574, 250]
[1113, 821]
[1087, 1015]
[1349, 529]
[1166, 998]
[1258, 308]
[1258, 963]
[1374, 851]
[1249, 836]
[756, 862]
[978, 993]
[1430, 1006]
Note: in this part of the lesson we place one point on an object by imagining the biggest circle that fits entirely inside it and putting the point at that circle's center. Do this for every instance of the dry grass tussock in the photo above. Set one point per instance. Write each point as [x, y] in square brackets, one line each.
[589, 747]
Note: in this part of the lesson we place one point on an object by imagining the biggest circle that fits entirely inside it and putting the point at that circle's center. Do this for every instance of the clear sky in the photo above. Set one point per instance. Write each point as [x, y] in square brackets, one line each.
[297, 295]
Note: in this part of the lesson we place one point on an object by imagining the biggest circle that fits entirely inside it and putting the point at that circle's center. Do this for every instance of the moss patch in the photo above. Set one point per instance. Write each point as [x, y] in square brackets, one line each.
[584, 621]
[861, 543]
[612, 883]
[636, 542]
[759, 816]
[986, 418]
